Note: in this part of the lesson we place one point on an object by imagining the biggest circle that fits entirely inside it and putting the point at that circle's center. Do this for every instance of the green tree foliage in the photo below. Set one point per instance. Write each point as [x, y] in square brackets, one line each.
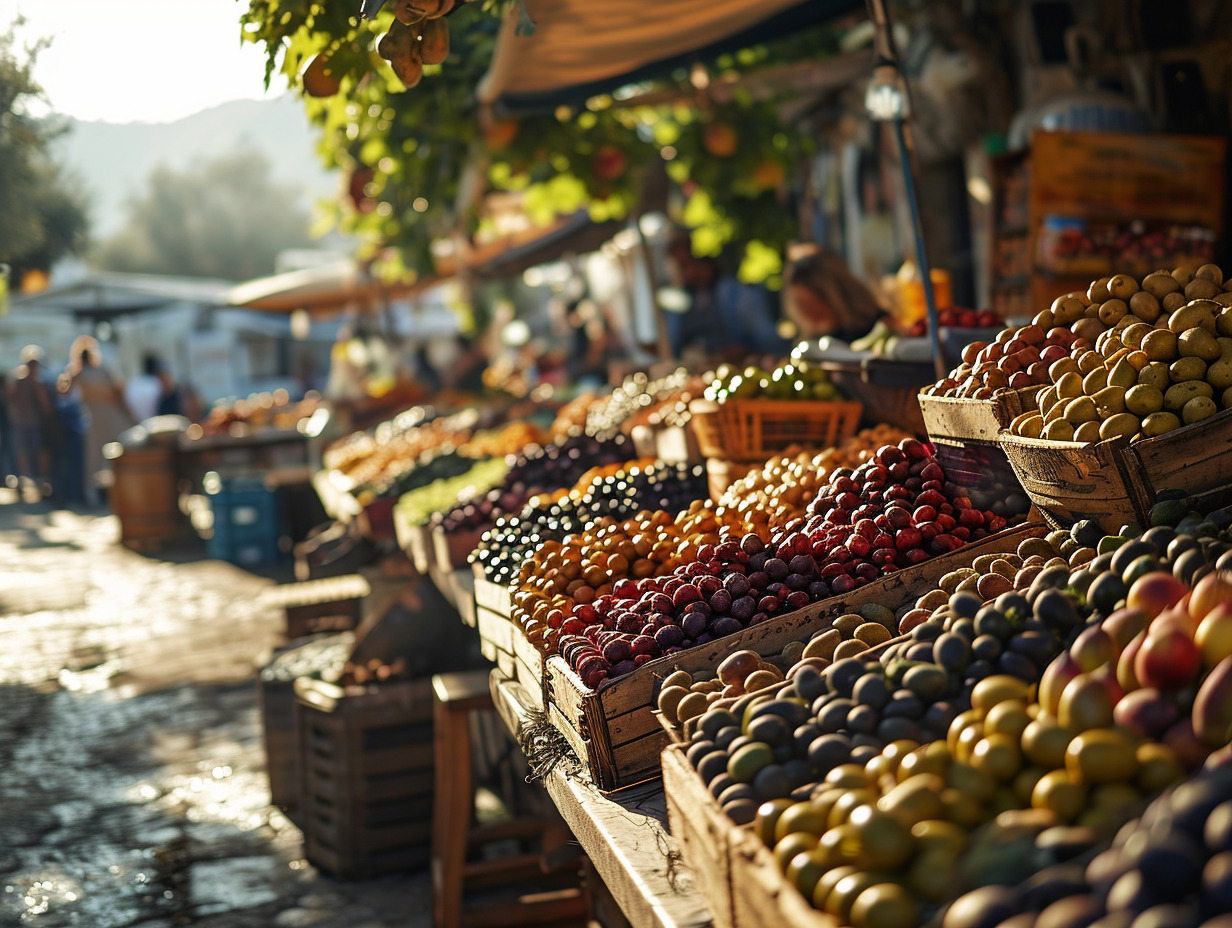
[228, 218]
[419, 157]
[42, 212]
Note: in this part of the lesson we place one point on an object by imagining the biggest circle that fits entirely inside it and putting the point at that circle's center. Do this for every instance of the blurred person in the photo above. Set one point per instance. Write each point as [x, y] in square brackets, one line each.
[68, 464]
[176, 398]
[824, 298]
[33, 416]
[106, 409]
[144, 391]
[725, 318]
[8, 463]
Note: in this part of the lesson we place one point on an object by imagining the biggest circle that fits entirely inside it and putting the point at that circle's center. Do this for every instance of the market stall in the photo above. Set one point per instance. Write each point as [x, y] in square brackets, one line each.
[918, 624]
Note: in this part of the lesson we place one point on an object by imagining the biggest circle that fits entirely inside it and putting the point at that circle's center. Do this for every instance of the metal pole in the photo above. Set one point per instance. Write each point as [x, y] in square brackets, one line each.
[888, 101]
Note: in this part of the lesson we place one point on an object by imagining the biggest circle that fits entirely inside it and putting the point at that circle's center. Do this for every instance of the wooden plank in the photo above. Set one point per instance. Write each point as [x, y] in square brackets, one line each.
[416, 542]
[702, 831]
[530, 663]
[463, 582]
[452, 549]
[1069, 481]
[495, 628]
[625, 836]
[761, 896]
[621, 710]
[493, 596]
[1196, 458]
[953, 419]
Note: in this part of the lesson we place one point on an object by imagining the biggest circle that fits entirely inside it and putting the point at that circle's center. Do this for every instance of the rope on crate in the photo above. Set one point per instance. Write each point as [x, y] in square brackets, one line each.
[544, 747]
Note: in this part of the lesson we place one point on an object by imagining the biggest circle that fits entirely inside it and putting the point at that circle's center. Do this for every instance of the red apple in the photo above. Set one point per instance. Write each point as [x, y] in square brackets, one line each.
[1168, 658]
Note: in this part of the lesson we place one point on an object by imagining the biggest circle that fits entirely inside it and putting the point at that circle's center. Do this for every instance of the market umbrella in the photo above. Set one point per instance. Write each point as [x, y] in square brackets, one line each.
[322, 290]
[579, 48]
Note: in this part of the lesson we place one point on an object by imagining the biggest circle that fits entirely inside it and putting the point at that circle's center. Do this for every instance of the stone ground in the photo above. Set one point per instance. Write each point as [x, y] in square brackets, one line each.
[132, 785]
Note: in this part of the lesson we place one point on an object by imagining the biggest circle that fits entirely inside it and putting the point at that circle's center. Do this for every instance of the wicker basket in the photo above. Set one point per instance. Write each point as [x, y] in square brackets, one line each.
[755, 430]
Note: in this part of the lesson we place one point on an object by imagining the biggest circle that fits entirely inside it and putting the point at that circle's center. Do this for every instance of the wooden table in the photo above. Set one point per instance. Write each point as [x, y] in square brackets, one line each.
[624, 834]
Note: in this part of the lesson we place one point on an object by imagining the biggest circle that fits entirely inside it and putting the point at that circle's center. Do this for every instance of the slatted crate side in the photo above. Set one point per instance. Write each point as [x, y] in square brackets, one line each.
[416, 541]
[1068, 481]
[493, 596]
[276, 705]
[367, 775]
[958, 420]
[761, 896]
[620, 710]
[701, 831]
[1196, 458]
[529, 666]
[452, 549]
[496, 639]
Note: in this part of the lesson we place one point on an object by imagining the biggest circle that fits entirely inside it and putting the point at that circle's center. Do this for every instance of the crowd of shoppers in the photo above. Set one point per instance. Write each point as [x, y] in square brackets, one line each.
[53, 427]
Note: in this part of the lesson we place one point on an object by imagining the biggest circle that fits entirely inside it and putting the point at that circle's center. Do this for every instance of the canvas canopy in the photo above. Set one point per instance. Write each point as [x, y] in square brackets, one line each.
[579, 48]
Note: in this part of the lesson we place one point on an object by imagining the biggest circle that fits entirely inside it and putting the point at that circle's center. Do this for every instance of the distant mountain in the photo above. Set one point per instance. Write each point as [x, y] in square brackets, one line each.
[114, 160]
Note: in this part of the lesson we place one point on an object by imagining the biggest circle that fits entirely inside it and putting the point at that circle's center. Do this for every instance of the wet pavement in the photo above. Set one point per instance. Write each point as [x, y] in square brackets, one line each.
[132, 784]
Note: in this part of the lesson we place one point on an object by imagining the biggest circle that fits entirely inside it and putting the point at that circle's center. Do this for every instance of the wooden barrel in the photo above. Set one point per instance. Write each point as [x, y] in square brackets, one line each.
[144, 495]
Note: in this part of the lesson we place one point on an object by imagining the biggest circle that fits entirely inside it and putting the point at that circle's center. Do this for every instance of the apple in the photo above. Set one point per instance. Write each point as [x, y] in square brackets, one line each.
[1214, 633]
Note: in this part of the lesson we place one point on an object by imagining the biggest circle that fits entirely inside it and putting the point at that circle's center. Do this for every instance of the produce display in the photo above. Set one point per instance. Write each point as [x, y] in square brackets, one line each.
[894, 510]
[954, 318]
[770, 496]
[1037, 701]
[421, 505]
[794, 380]
[1153, 370]
[612, 493]
[261, 410]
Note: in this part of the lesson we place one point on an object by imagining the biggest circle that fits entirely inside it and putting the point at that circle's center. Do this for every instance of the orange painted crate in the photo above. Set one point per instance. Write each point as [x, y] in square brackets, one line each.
[754, 430]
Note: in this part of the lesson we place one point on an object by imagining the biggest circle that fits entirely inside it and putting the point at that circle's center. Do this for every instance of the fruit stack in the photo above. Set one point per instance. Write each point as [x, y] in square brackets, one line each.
[1151, 370]
[895, 510]
[1007, 733]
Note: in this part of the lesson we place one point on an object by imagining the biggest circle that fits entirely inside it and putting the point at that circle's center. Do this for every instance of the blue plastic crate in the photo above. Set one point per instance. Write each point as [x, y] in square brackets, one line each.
[247, 522]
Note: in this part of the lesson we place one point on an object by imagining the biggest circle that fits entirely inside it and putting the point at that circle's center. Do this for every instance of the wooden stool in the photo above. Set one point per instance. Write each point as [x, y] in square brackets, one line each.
[457, 696]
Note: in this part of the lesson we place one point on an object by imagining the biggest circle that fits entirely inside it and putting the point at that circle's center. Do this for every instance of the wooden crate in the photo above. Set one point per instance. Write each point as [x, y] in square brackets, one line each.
[416, 541]
[1115, 481]
[376, 520]
[613, 728]
[701, 830]
[757, 429]
[504, 643]
[331, 604]
[761, 895]
[721, 473]
[367, 775]
[734, 871]
[956, 420]
[453, 549]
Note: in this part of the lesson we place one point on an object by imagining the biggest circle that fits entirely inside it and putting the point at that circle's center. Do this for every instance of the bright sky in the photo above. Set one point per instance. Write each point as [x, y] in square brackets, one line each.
[141, 60]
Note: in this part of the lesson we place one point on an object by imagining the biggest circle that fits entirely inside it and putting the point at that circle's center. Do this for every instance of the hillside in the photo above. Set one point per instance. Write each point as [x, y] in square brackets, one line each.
[114, 160]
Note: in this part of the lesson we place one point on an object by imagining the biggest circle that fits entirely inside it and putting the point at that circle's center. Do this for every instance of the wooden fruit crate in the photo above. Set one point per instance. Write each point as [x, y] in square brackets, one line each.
[452, 549]
[376, 520]
[367, 775]
[416, 541]
[957, 420]
[504, 643]
[761, 895]
[613, 728]
[1115, 481]
[755, 429]
[721, 474]
[701, 830]
[734, 871]
[331, 604]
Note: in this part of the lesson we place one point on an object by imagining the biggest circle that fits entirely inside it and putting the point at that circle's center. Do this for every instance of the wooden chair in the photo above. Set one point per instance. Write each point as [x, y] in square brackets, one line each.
[457, 697]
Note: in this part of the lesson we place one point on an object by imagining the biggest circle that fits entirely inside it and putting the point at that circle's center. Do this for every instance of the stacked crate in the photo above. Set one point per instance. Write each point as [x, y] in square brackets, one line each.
[366, 755]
